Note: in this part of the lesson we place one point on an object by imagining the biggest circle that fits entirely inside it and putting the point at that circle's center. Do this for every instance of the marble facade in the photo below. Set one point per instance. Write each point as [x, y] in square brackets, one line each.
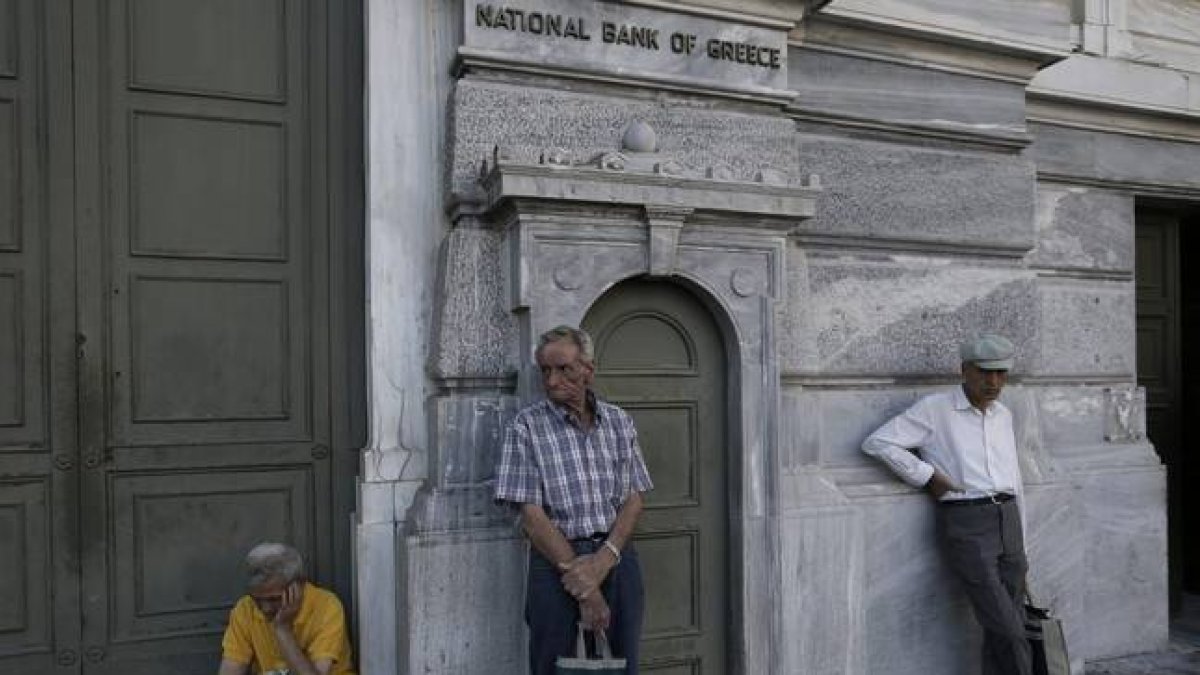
[915, 171]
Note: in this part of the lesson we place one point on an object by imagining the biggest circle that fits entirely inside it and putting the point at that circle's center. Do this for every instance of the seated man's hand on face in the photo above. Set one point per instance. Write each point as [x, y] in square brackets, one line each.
[289, 606]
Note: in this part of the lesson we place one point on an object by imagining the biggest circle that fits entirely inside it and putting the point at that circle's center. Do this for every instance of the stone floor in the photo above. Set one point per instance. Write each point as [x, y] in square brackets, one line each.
[1182, 655]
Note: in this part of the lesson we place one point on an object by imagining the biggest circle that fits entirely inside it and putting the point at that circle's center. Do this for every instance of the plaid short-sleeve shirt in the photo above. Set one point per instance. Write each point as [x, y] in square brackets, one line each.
[580, 479]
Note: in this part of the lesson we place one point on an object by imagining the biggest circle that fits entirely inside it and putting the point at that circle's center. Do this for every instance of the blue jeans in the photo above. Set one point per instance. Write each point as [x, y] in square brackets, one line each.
[553, 615]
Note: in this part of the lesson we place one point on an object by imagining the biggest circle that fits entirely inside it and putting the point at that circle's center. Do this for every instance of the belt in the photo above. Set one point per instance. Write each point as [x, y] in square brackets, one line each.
[595, 538]
[998, 498]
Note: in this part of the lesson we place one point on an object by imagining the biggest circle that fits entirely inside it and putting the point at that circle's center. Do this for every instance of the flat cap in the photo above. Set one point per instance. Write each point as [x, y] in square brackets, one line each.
[989, 352]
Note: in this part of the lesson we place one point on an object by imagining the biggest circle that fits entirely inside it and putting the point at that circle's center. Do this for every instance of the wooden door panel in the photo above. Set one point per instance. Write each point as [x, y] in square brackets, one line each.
[673, 667]
[10, 157]
[172, 46]
[210, 359]
[662, 425]
[9, 27]
[670, 559]
[25, 571]
[12, 353]
[22, 365]
[208, 187]
[167, 580]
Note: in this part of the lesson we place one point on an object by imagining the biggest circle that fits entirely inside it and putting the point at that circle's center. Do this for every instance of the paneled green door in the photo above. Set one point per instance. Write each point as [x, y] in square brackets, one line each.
[170, 273]
[660, 357]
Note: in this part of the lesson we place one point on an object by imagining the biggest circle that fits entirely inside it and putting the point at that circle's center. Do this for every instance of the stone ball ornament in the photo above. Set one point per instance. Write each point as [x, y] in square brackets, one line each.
[639, 137]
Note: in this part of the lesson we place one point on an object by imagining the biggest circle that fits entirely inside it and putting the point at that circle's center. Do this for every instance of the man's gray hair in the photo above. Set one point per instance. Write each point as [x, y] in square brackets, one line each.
[270, 562]
[576, 336]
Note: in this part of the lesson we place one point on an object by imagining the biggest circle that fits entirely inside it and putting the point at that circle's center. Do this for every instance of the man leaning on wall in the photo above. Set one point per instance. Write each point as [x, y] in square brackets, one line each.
[968, 464]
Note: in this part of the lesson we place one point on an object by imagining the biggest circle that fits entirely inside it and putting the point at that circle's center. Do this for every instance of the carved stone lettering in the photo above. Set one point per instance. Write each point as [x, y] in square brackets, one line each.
[634, 42]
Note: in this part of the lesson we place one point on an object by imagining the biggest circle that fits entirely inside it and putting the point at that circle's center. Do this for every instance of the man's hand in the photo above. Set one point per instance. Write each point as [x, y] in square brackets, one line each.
[289, 605]
[939, 484]
[583, 575]
[593, 612]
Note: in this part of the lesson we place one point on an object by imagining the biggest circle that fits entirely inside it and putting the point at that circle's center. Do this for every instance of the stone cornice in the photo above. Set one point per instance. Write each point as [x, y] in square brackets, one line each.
[1005, 140]
[1096, 113]
[894, 40]
[643, 179]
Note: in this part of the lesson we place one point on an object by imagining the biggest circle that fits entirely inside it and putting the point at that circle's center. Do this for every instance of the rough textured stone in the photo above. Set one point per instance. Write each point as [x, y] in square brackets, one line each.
[1083, 228]
[475, 332]
[1114, 157]
[899, 314]
[525, 121]
[461, 621]
[1085, 328]
[862, 87]
[887, 192]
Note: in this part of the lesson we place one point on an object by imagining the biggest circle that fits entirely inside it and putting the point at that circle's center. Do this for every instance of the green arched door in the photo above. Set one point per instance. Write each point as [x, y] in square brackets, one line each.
[660, 356]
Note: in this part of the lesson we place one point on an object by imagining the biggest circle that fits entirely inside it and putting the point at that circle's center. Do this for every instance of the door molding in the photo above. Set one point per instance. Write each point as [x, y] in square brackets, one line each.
[571, 232]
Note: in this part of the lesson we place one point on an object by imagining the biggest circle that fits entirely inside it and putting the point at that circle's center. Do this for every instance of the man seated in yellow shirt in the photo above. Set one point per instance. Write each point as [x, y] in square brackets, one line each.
[284, 625]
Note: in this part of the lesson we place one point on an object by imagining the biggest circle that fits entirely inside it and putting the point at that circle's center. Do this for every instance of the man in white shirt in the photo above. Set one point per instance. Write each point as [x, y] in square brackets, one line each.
[968, 463]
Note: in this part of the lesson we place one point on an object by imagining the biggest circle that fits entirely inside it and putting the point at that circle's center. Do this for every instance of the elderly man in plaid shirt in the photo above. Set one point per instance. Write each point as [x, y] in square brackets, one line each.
[572, 466]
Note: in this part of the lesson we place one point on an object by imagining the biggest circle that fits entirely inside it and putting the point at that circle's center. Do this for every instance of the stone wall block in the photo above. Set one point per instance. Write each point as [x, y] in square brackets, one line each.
[1125, 578]
[1085, 427]
[1086, 328]
[1083, 228]
[527, 121]
[892, 92]
[1097, 155]
[822, 589]
[468, 430]
[831, 424]
[1056, 544]
[887, 191]
[465, 595]
[475, 334]
[1045, 23]
[910, 597]
[902, 315]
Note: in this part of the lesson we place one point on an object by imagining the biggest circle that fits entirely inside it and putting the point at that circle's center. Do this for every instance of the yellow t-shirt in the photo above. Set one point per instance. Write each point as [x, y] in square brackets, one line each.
[319, 627]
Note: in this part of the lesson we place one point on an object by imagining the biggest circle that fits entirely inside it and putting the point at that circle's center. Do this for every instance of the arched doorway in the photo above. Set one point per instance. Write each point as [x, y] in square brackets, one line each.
[660, 356]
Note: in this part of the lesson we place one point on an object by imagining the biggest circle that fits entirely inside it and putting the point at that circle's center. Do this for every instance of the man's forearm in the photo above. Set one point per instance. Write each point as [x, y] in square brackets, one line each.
[544, 536]
[627, 517]
[296, 659]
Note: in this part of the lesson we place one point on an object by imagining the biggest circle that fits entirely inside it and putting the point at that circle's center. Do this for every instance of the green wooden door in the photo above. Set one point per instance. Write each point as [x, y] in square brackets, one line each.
[39, 460]
[660, 357]
[171, 270]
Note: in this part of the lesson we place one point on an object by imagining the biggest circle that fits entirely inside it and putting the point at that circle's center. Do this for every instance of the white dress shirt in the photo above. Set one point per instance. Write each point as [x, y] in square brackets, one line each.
[976, 450]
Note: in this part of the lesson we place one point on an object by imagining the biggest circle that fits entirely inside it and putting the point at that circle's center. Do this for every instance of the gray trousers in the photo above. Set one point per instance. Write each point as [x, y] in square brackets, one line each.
[985, 548]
